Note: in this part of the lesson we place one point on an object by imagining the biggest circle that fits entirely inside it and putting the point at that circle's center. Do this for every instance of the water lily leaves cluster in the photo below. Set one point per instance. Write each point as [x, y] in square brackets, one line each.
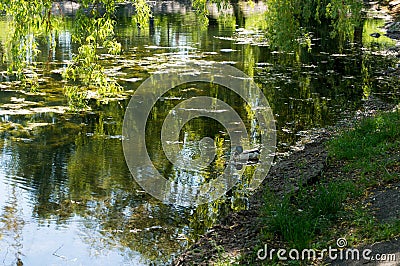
[287, 24]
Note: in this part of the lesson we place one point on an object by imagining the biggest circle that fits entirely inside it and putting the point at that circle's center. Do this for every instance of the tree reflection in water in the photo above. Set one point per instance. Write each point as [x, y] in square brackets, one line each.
[65, 186]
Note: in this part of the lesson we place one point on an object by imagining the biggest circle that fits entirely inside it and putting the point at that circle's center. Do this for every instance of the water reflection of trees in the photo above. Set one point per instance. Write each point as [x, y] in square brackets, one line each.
[80, 170]
[287, 23]
[85, 175]
[11, 226]
[71, 170]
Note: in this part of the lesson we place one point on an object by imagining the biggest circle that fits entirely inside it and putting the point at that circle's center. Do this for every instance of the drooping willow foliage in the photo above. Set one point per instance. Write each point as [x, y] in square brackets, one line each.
[93, 32]
[287, 20]
[29, 20]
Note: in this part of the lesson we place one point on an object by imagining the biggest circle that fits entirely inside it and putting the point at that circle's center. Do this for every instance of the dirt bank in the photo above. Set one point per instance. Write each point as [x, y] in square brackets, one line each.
[237, 234]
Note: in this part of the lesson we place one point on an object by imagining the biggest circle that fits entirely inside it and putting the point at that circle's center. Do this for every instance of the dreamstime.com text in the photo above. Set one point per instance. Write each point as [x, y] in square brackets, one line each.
[340, 253]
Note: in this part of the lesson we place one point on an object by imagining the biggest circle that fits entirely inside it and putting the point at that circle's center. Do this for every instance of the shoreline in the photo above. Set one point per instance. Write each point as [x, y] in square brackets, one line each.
[237, 234]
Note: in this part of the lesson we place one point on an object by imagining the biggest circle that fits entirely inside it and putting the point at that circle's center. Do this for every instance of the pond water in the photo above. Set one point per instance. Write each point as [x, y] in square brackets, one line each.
[66, 194]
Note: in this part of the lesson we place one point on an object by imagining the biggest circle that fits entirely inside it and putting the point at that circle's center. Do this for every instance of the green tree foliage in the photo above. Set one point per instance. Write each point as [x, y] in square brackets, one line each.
[28, 21]
[345, 16]
[288, 20]
[93, 32]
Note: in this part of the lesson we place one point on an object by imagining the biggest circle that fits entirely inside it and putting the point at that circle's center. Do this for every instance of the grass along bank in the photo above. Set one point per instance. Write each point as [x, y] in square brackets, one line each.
[346, 186]
[361, 160]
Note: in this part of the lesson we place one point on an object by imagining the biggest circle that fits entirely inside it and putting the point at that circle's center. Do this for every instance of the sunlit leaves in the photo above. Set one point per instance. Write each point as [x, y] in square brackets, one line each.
[94, 32]
[76, 96]
[88, 71]
[28, 19]
[283, 27]
[345, 16]
[143, 13]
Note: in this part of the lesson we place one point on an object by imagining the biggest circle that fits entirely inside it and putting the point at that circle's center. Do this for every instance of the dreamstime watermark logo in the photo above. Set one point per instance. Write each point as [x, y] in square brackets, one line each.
[138, 111]
[339, 253]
